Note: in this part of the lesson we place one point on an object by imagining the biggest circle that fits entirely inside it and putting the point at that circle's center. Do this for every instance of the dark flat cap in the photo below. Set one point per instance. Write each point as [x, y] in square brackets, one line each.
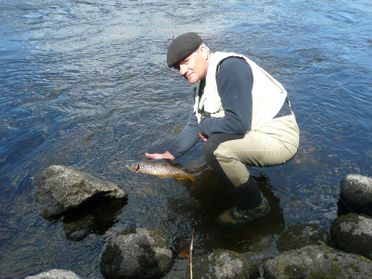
[181, 47]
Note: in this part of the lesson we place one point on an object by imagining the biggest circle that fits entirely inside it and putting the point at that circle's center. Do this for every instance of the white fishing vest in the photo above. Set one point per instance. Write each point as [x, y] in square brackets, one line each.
[268, 95]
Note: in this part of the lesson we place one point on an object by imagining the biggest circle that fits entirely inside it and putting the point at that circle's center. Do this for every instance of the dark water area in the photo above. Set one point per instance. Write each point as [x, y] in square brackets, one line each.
[85, 84]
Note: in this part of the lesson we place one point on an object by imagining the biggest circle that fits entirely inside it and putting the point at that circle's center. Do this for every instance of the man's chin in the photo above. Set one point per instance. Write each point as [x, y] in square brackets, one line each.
[192, 80]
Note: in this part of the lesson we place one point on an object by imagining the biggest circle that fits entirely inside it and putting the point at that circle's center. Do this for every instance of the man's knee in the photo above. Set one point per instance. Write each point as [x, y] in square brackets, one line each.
[223, 153]
[214, 142]
[211, 145]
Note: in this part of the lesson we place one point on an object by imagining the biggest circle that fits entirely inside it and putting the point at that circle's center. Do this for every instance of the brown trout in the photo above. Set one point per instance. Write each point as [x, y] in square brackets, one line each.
[162, 170]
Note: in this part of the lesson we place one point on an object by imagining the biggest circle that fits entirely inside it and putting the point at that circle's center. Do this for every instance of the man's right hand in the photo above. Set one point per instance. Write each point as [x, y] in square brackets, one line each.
[160, 156]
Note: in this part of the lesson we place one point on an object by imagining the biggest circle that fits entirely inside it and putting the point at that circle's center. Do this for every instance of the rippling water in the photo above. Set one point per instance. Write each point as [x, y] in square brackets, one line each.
[85, 83]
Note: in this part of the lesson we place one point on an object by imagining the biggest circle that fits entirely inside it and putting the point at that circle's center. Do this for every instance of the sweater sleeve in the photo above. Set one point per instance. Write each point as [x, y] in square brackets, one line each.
[186, 139]
[234, 84]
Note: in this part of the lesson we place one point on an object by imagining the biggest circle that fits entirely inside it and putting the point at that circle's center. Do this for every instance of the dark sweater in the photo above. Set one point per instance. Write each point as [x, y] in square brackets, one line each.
[234, 84]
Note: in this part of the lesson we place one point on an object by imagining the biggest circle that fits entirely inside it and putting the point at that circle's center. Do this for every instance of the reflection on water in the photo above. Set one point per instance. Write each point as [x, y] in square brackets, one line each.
[85, 84]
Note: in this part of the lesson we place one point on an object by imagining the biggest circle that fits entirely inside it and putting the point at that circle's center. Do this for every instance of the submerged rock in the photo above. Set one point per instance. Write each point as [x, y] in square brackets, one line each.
[55, 274]
[224, 264]
[60, 189]
[140, 253]
[356, 193]
[301, 235]
[318, 261]
[92, 219]
[353, 233]
[79, 229]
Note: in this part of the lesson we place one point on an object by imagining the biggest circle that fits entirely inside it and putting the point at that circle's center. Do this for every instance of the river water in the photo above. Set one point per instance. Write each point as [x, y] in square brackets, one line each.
[84, 83]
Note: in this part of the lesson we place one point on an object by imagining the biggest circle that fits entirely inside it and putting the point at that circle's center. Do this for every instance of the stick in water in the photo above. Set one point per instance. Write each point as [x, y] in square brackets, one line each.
[191, 250]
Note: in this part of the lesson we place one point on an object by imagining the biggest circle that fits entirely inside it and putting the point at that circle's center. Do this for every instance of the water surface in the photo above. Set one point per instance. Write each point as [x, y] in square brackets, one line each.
[85, 84]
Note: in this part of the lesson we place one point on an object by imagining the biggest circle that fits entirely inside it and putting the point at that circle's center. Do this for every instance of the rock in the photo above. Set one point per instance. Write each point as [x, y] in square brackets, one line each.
[301, 235]
[353, 233]
[140, 253]
[179, 270]
[60, 189]
[55, 274]
[224, 264]
[356, 193]
[318, 261]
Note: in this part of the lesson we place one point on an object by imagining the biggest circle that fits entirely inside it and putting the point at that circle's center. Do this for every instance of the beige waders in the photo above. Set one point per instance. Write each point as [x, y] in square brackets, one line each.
[272, 144]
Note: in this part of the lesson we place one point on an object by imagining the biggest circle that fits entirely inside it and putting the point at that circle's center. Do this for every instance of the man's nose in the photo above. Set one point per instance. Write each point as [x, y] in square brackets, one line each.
[182, 70]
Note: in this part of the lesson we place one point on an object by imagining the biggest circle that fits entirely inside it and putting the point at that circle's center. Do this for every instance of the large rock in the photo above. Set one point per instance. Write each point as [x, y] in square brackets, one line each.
[60, 189]
[301, 235]
[318, 261]
[224, 264]
[140, 253]
[55, 274]
[356, 193]
[353, 233]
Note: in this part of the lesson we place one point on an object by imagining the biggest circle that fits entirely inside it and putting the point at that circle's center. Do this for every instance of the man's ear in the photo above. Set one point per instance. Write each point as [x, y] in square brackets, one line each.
[204, 51]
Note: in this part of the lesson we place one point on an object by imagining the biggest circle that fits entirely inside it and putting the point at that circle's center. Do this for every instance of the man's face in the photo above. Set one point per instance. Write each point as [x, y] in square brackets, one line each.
[194, 67]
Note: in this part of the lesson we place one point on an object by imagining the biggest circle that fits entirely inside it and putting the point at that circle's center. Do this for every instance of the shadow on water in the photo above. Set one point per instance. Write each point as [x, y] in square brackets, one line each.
[209, 198]
[94, 217]
[344, 208]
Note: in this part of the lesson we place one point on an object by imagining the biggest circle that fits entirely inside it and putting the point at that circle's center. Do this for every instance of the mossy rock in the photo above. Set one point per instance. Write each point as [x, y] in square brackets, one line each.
[353, 233]
[136, 254]
[225, 264]
[317, 261]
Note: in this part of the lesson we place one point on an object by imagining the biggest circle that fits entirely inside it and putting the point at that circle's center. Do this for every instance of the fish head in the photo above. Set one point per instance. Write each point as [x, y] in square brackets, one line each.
[134, 167]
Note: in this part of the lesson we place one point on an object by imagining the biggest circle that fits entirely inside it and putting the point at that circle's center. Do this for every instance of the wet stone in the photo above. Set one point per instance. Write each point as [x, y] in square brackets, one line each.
[318, 261]
[138, 253]
[353, 233]
[60, 189]
[356, 194]
[78, 230]
[301, 235]
[224, 264]
[55, 274]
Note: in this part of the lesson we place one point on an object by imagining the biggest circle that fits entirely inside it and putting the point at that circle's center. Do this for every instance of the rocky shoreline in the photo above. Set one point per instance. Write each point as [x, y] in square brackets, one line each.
[305, 251]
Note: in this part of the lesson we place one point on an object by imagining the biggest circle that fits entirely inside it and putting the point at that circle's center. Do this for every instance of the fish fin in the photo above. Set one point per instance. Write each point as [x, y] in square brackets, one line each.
[193, 178]
[190, 177]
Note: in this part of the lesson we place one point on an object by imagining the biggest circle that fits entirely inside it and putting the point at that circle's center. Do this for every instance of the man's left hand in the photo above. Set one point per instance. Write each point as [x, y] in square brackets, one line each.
[160, 156]
[203, 137]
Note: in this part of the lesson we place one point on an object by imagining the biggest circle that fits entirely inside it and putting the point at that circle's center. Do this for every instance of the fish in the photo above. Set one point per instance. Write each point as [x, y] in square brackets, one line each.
[162, 170]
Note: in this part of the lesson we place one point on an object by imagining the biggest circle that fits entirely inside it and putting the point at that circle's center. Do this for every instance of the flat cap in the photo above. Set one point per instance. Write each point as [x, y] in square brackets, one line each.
[181, 47]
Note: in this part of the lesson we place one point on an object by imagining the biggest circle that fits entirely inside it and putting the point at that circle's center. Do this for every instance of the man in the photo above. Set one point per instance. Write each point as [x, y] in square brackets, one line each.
[241, 113]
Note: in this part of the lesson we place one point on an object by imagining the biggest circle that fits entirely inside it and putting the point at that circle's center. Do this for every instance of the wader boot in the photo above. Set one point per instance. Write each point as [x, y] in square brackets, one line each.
[250, 205]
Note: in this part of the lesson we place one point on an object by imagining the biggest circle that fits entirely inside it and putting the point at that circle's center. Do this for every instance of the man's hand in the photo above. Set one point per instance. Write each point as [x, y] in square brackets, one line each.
[203, 137]
[160, 156]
